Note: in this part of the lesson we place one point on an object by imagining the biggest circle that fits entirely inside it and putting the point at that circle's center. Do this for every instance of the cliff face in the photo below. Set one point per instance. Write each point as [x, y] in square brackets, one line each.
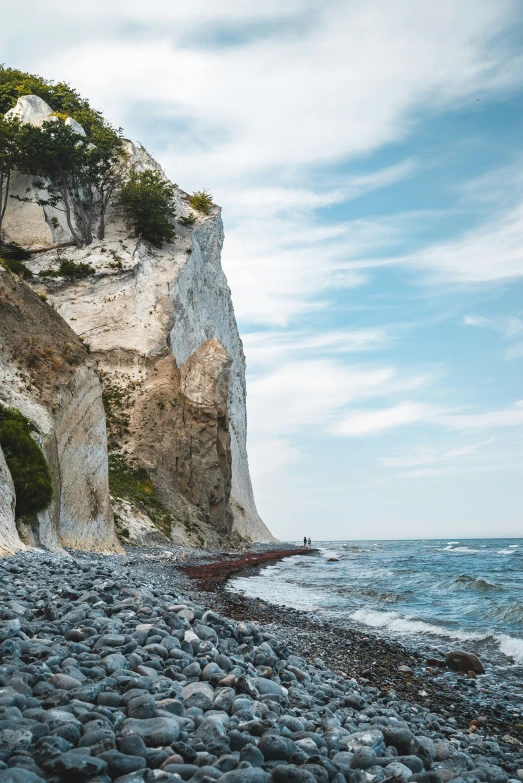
[160, 325]
[46, 374]
[9, 538]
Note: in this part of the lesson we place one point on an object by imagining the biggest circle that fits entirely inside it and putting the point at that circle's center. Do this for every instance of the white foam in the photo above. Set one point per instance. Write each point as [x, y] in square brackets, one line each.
[459, 549]
[453, 542]
[506, 552]
[327, 553]
[511, 647]
[407, 625]
[513, 546]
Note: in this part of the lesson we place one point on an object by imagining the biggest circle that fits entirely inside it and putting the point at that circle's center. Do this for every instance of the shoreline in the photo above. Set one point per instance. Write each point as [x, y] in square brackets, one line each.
[220, 567]
[353, 651]
[219, 687]
[370, 658]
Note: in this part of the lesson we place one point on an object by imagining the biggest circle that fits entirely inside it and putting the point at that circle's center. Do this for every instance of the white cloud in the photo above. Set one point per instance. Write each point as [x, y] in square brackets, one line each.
[508, 326]
[508, 417]
[299, 395]
[429, 456]
[274, 347]
[372, 422]
[247, 99]
[492, 252]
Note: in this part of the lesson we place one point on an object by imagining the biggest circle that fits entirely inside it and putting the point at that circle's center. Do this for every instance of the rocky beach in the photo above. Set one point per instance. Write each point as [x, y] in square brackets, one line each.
[123, 668]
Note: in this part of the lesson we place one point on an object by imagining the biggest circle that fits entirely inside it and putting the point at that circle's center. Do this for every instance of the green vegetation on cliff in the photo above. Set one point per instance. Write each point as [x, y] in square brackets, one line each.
[147, 200]
[26, 463]
[134, 484]
[64, 99]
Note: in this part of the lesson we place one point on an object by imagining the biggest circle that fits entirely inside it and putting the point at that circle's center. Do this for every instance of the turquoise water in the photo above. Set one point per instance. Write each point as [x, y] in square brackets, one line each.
[447, 593]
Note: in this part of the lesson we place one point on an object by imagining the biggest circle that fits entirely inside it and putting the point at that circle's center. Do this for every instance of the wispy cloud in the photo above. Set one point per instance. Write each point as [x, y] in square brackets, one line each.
[511, 416]
[377, 420]
[300, 395]
[371, 422]
[274, 347]
[507, 326]
[492, 252]
[430, 456]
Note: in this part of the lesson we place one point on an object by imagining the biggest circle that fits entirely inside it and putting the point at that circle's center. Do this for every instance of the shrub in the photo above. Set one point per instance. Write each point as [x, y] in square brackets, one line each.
[16, 267]
[189, 219]
[26, 463]
[10, 250]
[147, 200]
[201, 200]
[134, 484]
[11, 258]
[68, 268]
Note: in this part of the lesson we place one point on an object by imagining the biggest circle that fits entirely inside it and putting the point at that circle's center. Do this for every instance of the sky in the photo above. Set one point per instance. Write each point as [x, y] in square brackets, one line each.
[368, 160]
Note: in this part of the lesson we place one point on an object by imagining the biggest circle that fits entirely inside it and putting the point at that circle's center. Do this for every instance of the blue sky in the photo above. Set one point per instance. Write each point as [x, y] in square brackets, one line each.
[368, 160]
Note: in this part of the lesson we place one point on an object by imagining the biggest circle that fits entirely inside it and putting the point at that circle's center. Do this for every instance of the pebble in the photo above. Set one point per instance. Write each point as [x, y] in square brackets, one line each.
[106, 677]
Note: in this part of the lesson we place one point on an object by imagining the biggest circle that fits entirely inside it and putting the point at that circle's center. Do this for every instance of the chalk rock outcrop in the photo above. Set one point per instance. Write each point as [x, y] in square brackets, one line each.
[147, 314]
[9, 538]
[46, 374]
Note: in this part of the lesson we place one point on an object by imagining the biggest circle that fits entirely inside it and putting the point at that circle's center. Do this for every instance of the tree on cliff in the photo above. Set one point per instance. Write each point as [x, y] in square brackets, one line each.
[56, 153]
[147, 200]
[80, 175]
[106, 171]
[8, 160]
[63, 98]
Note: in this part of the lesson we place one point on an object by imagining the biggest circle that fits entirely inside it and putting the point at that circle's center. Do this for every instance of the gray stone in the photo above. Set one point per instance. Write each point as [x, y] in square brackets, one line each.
[463, 662]
[276, 747]
[247, 775]
[15, 775]
[64, 682]
[9, 628]
[398, 770]
[363, 758]
[75, 764]
[198, 694]
[269, 687]
[120, 763]
[114, 662]
[155, 732]
[141, 707]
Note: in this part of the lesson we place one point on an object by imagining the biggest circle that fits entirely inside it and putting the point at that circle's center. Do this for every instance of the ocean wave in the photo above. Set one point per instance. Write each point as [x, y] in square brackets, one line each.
[396, 624]
[449, 548]
[507, 552]
[380, 595]
[507, 613]
[465, 581]
[391, 621]
[511, 647]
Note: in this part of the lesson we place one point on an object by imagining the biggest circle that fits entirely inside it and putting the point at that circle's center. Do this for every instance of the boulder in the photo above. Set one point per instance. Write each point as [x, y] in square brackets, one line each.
[464, 662]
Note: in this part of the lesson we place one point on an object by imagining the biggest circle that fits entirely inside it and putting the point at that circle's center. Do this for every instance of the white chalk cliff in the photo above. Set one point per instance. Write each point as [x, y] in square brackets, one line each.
[46, 375]
[9, 539]
[160, 324]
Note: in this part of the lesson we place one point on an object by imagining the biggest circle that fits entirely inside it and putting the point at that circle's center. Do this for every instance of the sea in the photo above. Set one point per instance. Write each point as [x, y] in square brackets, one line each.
[445, 594]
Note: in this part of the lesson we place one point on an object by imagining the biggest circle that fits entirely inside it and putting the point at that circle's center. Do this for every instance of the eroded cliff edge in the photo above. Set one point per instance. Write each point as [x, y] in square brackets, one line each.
[160, 325]
[47, 376]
